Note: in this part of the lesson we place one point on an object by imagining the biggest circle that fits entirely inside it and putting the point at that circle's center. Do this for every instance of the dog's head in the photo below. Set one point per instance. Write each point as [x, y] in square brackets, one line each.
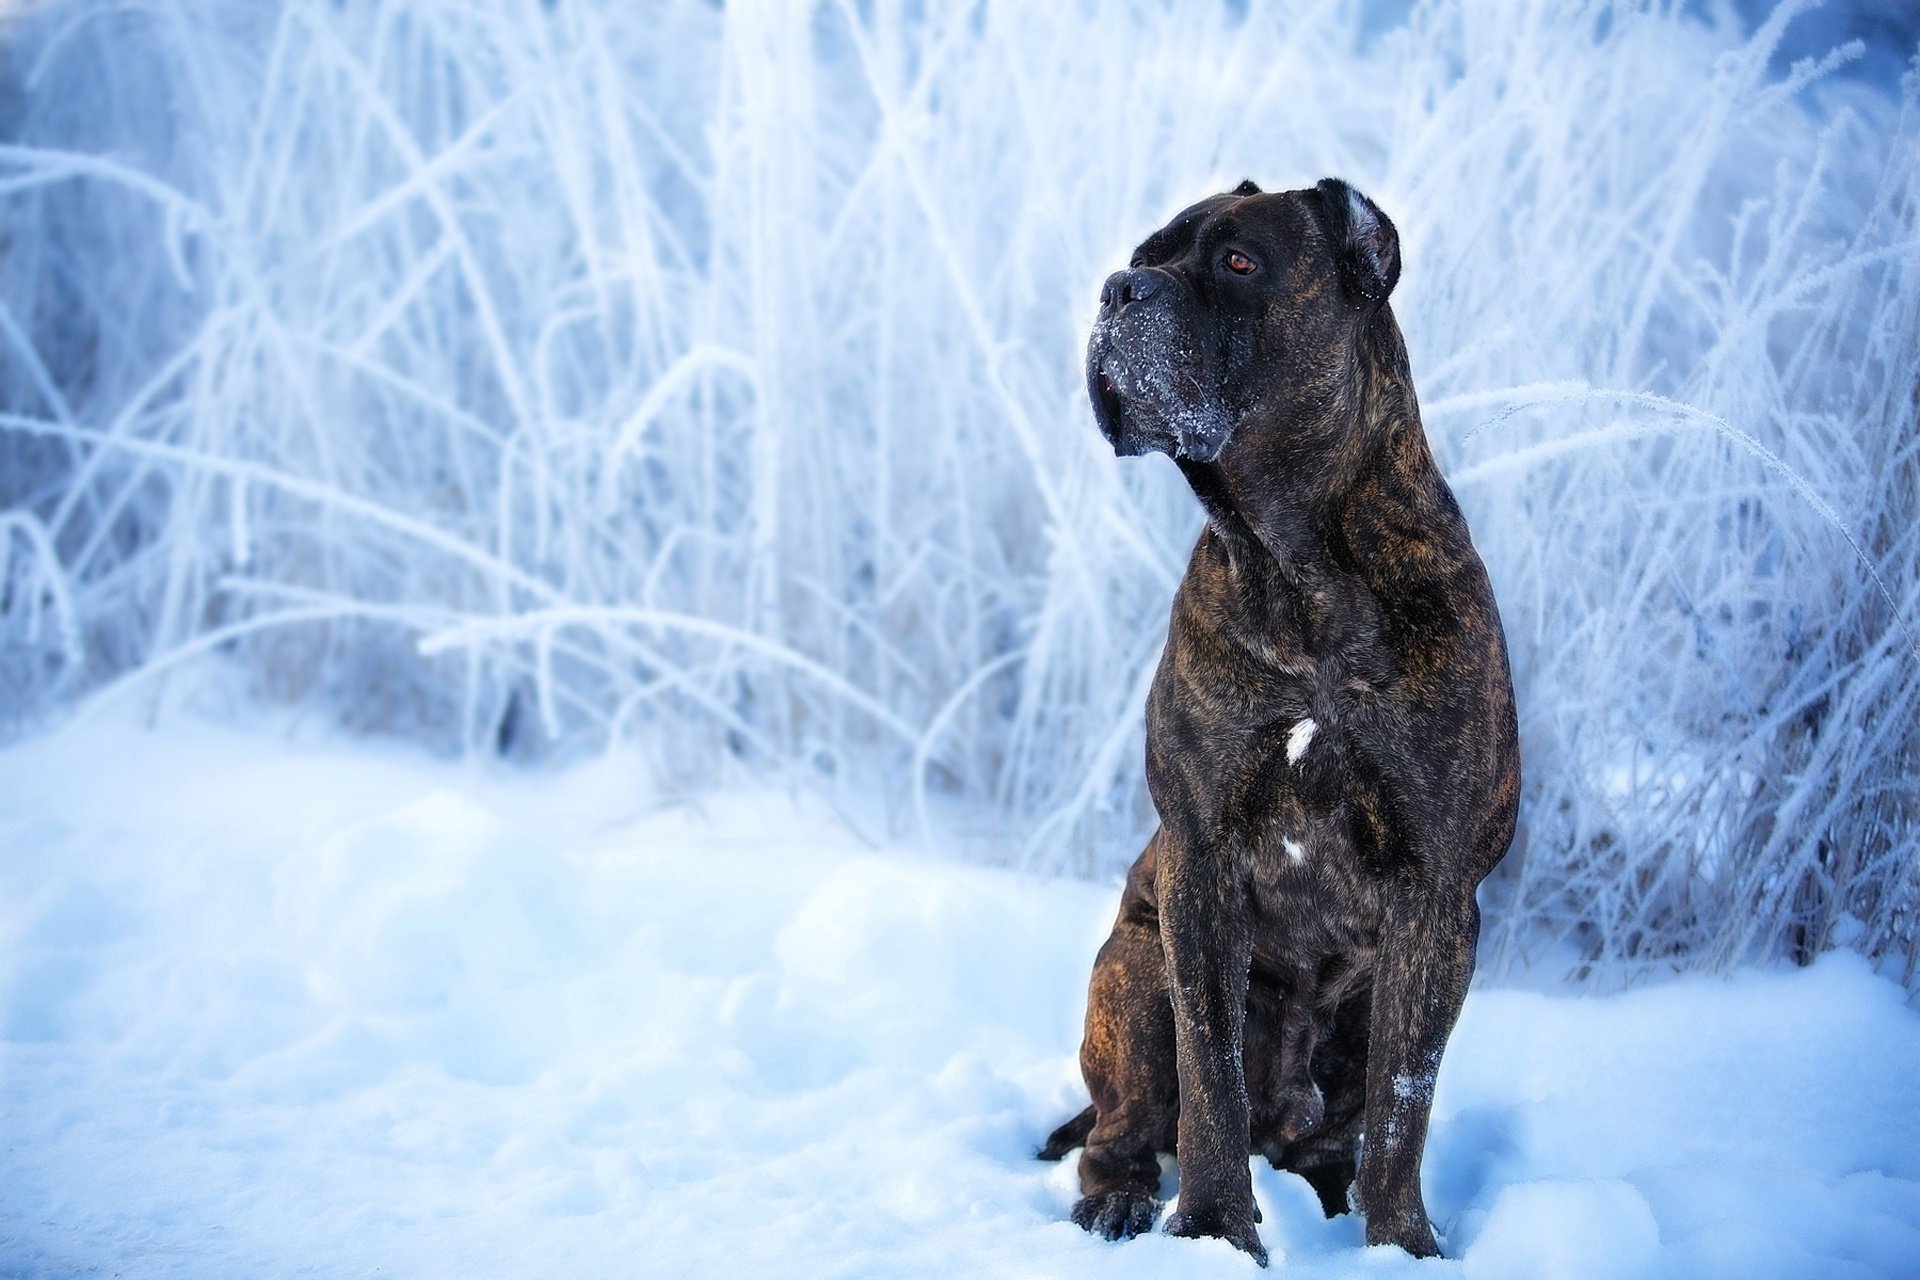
[1246, 307]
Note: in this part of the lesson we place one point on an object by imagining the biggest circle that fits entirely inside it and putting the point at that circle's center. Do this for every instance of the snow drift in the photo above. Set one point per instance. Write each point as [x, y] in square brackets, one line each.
[272, 1006]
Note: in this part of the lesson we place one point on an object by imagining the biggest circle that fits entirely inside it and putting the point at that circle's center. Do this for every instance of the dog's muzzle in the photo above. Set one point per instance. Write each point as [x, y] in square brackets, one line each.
[1111, 382]
[1145, 374]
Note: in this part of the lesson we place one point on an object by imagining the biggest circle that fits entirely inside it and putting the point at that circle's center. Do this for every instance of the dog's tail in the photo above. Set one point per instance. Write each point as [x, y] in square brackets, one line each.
[1068, 1136]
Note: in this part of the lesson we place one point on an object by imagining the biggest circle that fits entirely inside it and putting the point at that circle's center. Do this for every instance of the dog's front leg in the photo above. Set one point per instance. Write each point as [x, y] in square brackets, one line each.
[1420, 979]
[1206, 932]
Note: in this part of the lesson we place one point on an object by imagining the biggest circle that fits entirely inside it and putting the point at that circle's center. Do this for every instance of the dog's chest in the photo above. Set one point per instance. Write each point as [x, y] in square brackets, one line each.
[1280, 688]
[1315, 891]
[1267, 707]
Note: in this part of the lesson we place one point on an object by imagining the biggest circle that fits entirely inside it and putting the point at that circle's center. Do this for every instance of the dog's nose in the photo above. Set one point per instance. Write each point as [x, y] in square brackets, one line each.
[1132, 285]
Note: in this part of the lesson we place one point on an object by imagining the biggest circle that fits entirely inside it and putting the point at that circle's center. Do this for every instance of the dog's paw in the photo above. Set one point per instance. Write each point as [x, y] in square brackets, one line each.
[1117, 1215]
[1302, 1112]
[1236, 1229]
[1408, 1228]
[1333, 1184]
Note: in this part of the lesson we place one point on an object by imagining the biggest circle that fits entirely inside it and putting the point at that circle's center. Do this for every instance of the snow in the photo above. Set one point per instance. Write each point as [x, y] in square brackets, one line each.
[285, 1005]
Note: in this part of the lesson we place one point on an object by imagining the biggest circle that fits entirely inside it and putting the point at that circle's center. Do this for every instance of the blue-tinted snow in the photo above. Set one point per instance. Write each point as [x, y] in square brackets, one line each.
[278, 1007]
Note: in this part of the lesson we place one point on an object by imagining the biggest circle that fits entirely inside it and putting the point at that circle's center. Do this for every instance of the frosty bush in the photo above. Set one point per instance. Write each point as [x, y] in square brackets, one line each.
[522, 376]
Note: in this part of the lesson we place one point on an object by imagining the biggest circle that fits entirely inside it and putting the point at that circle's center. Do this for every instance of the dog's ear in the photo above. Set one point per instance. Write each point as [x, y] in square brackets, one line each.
[1363, 239]
[1246, 188]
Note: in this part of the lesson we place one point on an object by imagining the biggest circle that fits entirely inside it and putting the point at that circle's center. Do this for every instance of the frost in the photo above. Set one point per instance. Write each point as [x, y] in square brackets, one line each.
[1414, 1087]
[1152, 361]
[529, 379]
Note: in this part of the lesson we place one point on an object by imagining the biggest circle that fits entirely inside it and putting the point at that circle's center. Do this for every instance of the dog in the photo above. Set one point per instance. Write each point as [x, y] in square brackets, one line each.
[1332, 746]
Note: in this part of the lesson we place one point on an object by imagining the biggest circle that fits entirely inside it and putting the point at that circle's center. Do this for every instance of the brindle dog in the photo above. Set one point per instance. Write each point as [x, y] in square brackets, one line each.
[1331, 740]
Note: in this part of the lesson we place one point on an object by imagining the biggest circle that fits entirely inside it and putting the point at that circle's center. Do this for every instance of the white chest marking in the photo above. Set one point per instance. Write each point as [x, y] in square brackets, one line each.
[1299, 738]
[1295, 850]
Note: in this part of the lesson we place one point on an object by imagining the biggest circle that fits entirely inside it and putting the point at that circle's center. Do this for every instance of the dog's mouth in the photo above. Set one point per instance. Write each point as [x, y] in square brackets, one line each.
[1146, 392]
[1106, 403]
[1109, 411]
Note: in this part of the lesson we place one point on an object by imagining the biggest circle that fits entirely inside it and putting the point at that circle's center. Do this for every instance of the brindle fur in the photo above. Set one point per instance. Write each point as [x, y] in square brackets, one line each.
[1250, 1000]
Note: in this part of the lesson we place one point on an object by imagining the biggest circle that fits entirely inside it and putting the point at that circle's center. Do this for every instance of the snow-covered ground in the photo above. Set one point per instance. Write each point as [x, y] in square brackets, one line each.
[276, 1006]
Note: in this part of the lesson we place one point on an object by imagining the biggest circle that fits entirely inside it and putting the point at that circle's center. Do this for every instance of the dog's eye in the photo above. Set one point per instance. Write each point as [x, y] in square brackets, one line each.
[1239, 263]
